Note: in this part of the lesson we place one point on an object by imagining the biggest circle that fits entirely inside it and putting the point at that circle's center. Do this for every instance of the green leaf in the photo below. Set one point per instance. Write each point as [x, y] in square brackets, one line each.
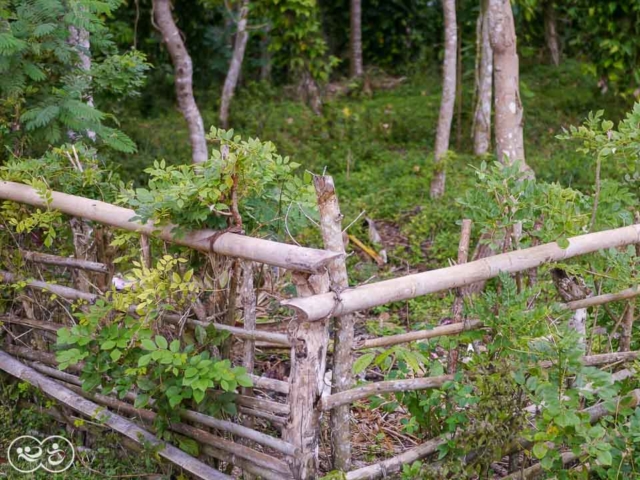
[175, 346]
[142, 400]
[540, 450]
[144, 360]
[148, 344]
[161, 342]
[198, 395]
[115, 355]
[363, 362]
[108, 345]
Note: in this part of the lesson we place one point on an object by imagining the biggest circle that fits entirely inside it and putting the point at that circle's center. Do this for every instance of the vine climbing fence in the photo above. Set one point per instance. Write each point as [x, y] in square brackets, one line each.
[277, 430]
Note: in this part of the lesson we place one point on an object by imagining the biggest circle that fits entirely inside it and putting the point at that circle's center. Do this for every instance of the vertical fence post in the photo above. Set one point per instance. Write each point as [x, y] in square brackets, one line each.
[331, 227]
[248, 295]
[309, 342]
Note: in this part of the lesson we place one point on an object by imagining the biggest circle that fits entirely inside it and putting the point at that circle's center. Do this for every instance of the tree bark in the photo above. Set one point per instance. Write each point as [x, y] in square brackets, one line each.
[265, 67]
[355, 39]
[551, 32]
[447, 102]
[484, 79]
[239, 47]
[342, 379]
[183, 78]
[508, 107]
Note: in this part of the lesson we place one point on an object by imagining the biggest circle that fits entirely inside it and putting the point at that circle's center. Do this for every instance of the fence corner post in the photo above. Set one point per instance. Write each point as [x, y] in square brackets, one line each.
[331, 228]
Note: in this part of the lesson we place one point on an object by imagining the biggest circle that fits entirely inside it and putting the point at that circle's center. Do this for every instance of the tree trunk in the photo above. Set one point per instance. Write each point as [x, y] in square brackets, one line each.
[183, 78]
[309, 92]
[356, 39]
[265, 67]
[231, 81]
[508, 107]
[551, 32]
[448, 96]
[484, 79]
[80, 39]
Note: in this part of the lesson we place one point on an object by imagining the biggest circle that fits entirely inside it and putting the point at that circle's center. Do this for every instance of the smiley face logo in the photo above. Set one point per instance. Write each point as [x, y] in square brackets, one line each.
[55, 454]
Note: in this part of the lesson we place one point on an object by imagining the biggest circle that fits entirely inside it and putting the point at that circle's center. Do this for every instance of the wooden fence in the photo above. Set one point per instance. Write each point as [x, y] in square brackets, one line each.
[296, 406]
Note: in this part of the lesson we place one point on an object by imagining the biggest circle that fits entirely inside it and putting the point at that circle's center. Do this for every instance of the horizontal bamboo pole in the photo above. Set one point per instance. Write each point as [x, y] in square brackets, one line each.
[262, 473]
[69, 262]
[116, 422]
[27, 322]
[59, 290]
[291, 257]
[270, 337]
[196, 417]
[403, 288]
[604, 358]
[457, 328]
[394, 464]
[73, 294]
[253, 403]
[602, 299]
[405, 385]
[452, 329]
[258, 458]
[535, 470]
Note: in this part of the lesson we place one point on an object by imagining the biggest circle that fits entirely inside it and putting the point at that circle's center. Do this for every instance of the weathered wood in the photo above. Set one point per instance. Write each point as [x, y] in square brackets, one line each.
[405, 385]
[452, 329]
[535, 470]
[12, 319]
[262, 473]
[253, 403]
[59, 261]
[394, 464]
[411, 286]
[602, 299]
[308, 362]
[116, 422]
[458, 302]
[248, 454]
[342, 377]
[60, 290]
[291, 257]
[604, 358]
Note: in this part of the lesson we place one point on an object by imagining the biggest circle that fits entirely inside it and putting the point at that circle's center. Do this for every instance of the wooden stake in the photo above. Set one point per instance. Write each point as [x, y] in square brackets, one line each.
[458, 302]
[306, 382]
[342, 378]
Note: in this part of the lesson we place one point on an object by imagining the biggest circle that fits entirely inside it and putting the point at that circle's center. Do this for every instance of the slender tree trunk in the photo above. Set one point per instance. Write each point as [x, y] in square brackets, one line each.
[80, 39]
[265, 68]
[484, 79]
[183, 78]
[551, 31]
[309, 92]
[448, 96]
[83, 233]
[231, 81]
[508, 107]
[356, 39]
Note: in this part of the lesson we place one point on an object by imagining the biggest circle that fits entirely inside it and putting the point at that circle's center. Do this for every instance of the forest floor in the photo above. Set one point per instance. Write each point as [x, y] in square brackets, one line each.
[379, 148]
